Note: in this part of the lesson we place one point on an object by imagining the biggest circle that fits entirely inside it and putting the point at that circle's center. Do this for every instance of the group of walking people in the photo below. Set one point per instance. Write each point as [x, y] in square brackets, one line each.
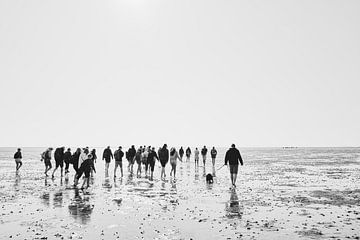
[83, 160]
[145, 157]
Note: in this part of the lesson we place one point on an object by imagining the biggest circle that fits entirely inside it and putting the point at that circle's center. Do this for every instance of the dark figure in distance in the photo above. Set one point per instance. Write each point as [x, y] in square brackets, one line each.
[107, 156]
[18, 157]
[118, 155]
[164, 158]
[67, 160]
[181, 153]
[59, 160]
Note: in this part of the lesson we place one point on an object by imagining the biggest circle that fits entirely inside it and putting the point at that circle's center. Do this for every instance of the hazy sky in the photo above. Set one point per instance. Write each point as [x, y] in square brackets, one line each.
[256, 73]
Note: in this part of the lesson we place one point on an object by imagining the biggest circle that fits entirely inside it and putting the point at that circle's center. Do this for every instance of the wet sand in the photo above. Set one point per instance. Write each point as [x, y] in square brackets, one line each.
[281, 194]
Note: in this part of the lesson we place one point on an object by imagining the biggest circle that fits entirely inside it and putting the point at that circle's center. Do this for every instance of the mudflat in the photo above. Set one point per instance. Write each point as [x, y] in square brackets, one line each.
[281, 194]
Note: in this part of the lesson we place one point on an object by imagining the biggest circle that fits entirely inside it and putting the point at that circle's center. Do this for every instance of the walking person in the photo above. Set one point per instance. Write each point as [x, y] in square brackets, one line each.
[188, 154]
[203, 154]
[197, 153]
[59, 160]
[181, 153]
[213, 154]
[75, 159]
[131, 155]
[67, 160]
[138, 161]
[173, 161]
[46, 156]
[144, 159]
[151, 160]
[93, 161]
[85, 169]
[233, 157]
[18, 158]
[118, 155]
[164, 158]
[107, 156]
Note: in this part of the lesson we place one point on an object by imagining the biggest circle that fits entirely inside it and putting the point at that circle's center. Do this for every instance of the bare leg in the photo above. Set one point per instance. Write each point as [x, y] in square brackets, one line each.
[115, 169]
[106, 169]
[121, 168]
[54, 172]
[235, 175]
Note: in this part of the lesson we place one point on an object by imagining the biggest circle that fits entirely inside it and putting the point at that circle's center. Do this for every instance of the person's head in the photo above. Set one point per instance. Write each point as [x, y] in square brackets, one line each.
[233, 145]
[153, 148]
[50, 148]
[86, 151]
[213, 147]
[132, 146]
[196, 148]
[120, 147]
[68, 149]
[63, 148]
[78, 150]
[204, 146]
[165, 145]
[19, 149]
[172, 151]
[108, 147]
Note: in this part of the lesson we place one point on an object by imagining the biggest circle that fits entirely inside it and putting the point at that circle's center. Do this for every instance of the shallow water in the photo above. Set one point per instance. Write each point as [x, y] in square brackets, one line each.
[281, 193]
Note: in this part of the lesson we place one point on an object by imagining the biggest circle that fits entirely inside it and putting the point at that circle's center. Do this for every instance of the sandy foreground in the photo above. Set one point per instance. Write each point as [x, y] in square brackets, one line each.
[281, 194]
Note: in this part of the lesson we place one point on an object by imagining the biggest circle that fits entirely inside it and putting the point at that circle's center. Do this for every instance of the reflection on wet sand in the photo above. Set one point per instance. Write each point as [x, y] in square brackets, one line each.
[58, 199]
[197, 173]
[45, 197]
[17, 181]
[233, 208]
[213, 171]
[80, 207]
[106, 184]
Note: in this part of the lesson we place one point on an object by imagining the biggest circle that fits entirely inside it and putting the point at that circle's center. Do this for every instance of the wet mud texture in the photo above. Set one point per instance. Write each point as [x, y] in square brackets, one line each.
[281, 194]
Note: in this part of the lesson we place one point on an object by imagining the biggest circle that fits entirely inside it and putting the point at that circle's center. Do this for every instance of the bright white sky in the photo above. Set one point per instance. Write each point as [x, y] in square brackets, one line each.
[254, 73]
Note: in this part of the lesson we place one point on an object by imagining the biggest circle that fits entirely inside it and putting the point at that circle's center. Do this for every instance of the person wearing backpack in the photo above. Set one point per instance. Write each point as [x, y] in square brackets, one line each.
[118, 155]
[164, 158]
[59, 160]
[107, 156]
[67, 160]
[46, 156]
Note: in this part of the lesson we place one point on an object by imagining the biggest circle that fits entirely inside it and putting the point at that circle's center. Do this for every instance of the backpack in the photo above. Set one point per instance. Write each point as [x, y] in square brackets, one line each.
[43, 156]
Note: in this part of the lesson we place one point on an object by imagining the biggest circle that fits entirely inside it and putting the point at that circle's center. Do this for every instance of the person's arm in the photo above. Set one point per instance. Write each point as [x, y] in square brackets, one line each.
[240, 159]
[111, 155]
[226, 158]
[177, 155]
[103, 157]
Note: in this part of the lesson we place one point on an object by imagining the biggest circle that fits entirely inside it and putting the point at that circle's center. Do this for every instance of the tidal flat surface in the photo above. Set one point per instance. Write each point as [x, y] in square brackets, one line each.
[302, 193]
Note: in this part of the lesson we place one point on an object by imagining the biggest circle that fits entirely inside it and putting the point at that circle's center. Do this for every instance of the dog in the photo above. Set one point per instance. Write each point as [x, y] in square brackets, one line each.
[209, 179]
